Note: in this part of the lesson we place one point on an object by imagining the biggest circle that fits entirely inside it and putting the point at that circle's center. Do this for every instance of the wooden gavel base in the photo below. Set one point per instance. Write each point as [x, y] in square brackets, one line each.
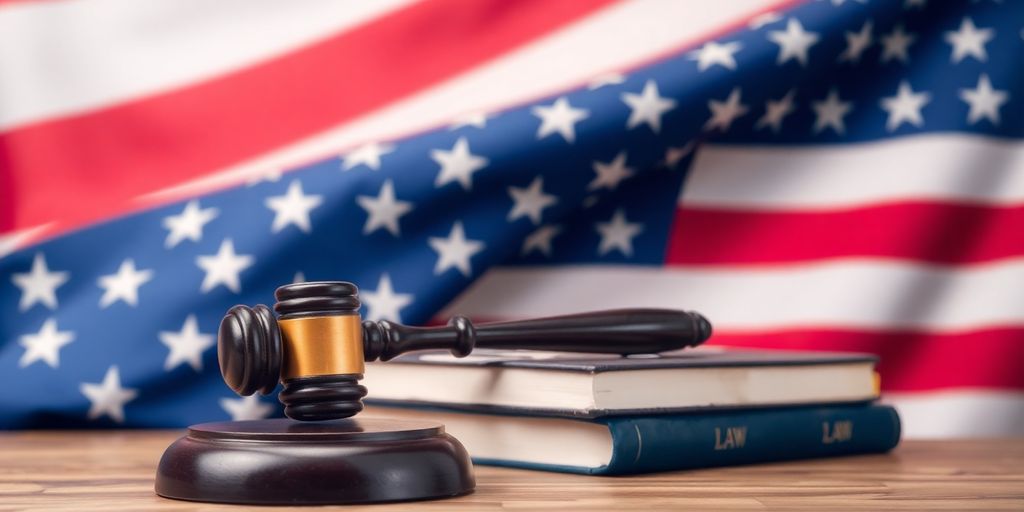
[286, 462]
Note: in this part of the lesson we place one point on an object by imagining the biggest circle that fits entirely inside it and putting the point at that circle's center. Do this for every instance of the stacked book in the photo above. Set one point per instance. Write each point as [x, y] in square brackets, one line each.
[603, 414]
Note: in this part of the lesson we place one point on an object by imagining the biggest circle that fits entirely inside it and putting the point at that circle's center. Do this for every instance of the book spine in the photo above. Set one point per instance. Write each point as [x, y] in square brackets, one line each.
[653, 443]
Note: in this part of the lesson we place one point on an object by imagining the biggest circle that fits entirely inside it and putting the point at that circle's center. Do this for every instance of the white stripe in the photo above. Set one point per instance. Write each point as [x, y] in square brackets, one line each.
[929, 167]
[865, 294]
[615, 38]
[60, 58]
[959, 413]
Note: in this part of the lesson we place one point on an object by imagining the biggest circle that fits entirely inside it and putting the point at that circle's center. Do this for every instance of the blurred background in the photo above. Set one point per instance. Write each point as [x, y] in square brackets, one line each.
[823, 175]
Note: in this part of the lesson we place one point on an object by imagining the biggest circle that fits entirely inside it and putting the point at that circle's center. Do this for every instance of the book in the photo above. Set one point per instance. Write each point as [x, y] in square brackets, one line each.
[619, 445]
[593, 385]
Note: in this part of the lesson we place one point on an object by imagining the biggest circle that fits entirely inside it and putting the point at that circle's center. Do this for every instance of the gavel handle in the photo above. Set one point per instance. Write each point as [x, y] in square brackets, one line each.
[620, 331]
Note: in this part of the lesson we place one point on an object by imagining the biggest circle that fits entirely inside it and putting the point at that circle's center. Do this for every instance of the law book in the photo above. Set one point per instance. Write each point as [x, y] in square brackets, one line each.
[593, 385]
[620, 445]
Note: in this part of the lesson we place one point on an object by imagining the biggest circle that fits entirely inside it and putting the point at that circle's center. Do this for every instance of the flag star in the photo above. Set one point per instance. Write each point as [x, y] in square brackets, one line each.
[540, 240]
[984, 101]
[108, 398]
[723, 113]
[39, 284]
[856, 43]
[186, 345]
[905, 107]
[474, 119]
[293, 208]
[618, 234]
[674, 155]
[830, 113]
[455, 251]
[223, 267]
[124, 285]
[188, 224]
[794, 42]
[763, 20]
[383, 303]
[383, 211]
[969, 41]
[713, 53]
[896, 45]
[610, 174]
[606, 79]
[368, 155]
[44, 345]
[647, 107]
[559, 117]
[775, 112]
[246, 408]
[457, 164]
[530, 201]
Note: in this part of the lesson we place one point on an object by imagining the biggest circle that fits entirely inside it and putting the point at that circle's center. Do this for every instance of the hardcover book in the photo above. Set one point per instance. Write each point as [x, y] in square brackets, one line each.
[617, 445]
[594, 385]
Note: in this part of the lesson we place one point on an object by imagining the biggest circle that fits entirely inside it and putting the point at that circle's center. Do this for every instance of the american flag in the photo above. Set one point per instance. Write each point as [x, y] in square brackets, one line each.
[839, 175]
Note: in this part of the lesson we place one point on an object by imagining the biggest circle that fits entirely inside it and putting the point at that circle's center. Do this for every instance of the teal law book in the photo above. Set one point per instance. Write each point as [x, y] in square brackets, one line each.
[621, 445]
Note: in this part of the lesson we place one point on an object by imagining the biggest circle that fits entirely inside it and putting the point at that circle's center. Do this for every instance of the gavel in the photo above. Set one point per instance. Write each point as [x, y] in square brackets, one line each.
[318, 344]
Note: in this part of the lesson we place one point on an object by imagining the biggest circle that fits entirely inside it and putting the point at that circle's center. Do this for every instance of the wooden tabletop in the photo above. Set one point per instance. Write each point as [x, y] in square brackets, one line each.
[113, 470]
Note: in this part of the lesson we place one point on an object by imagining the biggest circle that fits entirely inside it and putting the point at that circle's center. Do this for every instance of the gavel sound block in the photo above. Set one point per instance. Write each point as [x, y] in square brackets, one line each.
[316, 348]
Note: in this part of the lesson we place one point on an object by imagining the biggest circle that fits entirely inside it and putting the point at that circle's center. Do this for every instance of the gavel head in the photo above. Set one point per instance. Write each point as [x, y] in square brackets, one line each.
[315, 348]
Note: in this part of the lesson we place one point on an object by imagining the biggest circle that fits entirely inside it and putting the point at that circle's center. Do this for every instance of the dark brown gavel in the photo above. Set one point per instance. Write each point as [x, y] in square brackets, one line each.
[318, 345]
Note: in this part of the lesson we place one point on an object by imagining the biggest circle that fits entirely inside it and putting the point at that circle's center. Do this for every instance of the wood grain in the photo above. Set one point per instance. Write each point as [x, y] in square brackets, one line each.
[113, 470]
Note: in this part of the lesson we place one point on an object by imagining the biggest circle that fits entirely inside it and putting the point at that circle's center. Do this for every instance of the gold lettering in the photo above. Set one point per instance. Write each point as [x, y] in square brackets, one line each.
[836, 432]
[735, 437]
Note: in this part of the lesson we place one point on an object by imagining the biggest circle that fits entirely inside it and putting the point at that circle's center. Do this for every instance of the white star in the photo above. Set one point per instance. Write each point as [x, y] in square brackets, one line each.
[674, 155]
[458, 164]
[775, 111]
[39, 284]
[610, 174]
[905, 107]
[618, 234]
[44, 345]
[856, 43]
[560, 117]
[475, 119]
[969, 41]
[124, 285]
[723, 113]
[383, 303]
[299, 277]
[186, 345]
[223, 267]
[794, 42]
[896, 44]
[763, 20]
[293, 208]
[606, 79]
[540, 240]
[830, 113]
[368, 155]
[984, 101]
[188, 224]
[246, 408]
[455, 251]
[647, 107]
[713, 53]
[108, 398]
[384, 210]
[530, 201]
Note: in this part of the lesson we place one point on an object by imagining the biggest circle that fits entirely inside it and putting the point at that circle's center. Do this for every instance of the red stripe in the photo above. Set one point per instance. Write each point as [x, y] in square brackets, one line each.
[88, 167]
[913, 361]
[923, 231]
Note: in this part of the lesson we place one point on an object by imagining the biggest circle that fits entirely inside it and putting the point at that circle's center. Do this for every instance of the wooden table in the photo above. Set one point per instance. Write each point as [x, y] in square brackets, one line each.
[110, 471]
